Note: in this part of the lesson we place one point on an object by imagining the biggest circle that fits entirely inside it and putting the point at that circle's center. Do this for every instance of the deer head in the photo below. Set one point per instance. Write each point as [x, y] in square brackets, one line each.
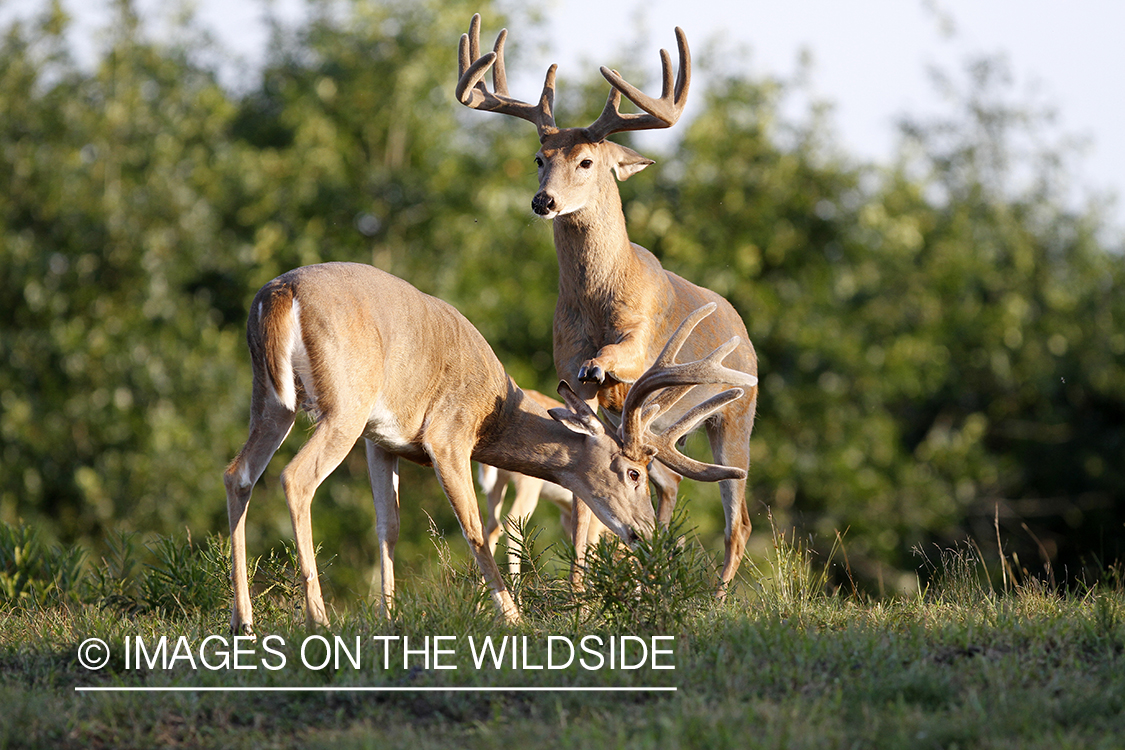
[612, 476]
[575, 164]
[635, 443]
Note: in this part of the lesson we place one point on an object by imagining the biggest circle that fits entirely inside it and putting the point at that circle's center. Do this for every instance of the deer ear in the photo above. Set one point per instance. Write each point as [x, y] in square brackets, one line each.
[578, 417]
[575, 422]
[628, 162]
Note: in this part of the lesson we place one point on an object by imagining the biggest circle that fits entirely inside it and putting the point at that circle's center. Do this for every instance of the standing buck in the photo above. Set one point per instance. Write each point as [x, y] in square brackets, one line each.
[369, 355]
[616, 304]
[527, 491]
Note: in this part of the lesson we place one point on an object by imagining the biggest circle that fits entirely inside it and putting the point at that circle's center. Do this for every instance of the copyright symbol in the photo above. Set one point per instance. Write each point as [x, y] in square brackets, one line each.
[93, 653]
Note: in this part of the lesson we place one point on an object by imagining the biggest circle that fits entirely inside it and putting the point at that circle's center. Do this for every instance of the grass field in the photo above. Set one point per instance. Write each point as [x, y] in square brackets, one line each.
[782, 663]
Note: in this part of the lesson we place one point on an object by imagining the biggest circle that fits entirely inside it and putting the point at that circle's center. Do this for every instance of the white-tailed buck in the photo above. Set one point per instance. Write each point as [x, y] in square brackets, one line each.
[616, 304]
[370, 356]
[527, 491]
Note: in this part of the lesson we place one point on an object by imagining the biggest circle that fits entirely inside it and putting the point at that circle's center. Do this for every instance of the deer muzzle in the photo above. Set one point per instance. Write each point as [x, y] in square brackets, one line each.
[543, 204]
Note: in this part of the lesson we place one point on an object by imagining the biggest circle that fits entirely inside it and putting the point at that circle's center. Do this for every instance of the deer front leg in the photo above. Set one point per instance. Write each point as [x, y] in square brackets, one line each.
[455, 474]
[623, 362]
[623, 338]
[581, 515]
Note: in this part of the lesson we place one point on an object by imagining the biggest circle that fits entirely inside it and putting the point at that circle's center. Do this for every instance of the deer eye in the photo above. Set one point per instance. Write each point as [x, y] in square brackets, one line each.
[586, 163]
[539, 162]
[634, 475]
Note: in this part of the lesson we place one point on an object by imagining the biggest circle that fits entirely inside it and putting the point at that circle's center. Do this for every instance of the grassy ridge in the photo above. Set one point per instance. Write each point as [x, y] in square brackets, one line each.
[782, 663]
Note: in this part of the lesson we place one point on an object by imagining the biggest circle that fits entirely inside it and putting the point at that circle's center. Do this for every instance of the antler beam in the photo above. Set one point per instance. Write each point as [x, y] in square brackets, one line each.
[474, 94]
[658, 113]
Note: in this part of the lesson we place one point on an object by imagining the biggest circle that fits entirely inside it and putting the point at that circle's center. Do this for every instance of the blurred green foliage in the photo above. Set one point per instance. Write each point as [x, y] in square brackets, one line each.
[942, 339]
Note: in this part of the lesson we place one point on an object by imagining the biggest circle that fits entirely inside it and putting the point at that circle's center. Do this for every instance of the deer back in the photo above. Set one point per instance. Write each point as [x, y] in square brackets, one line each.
[346, 336]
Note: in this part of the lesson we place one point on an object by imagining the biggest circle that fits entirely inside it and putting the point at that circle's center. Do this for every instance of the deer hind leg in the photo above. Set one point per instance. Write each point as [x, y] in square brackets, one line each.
[382, 470]
[596, 530]
[523, 505]
[454, 473]
[495, 514]
[564, 501]
[325, 450]
[730, 445]
[581, 517]
[269, 426]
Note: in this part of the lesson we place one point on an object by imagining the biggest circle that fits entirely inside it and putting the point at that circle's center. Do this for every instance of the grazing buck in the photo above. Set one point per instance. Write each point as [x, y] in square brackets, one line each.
[527, 493]
[616, 304]
[369, 355]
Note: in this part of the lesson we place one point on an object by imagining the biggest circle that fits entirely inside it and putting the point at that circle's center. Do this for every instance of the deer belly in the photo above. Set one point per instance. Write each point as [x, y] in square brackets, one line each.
[385, 430]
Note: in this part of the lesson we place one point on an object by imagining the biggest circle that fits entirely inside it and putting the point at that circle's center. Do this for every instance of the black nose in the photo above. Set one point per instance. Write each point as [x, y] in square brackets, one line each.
[542, 204]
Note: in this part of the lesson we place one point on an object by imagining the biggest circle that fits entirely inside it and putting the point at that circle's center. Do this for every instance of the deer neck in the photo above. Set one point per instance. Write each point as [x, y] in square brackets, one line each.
[524, 438]
[593, 246]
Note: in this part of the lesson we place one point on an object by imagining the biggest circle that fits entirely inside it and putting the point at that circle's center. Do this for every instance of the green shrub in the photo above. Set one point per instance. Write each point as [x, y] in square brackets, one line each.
[175, 578]
[657, 585]
[33, 573]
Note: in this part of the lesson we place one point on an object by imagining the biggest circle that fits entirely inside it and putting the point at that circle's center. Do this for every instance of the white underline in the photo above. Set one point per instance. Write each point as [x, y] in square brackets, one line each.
[330, 689]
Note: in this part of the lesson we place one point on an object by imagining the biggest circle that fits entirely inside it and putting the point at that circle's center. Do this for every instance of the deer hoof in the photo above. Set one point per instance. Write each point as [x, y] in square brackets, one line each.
[591, 373]
[245, 629]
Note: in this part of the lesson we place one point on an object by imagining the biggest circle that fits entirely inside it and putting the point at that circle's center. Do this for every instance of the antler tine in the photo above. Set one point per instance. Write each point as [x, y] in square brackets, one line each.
[708, 370]
[670, 456]
[698, 412]
[658, 113]
[664, 385]
[468, 53]
[655, 405]
[666, 382]
[474, 36]
[676, 340]
[666, 373]
[635, 420]
[473, 93]
[499, 74]
[546, 108]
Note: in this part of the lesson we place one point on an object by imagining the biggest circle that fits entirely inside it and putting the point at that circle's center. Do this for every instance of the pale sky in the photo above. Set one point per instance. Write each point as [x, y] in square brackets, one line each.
[870, 58]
